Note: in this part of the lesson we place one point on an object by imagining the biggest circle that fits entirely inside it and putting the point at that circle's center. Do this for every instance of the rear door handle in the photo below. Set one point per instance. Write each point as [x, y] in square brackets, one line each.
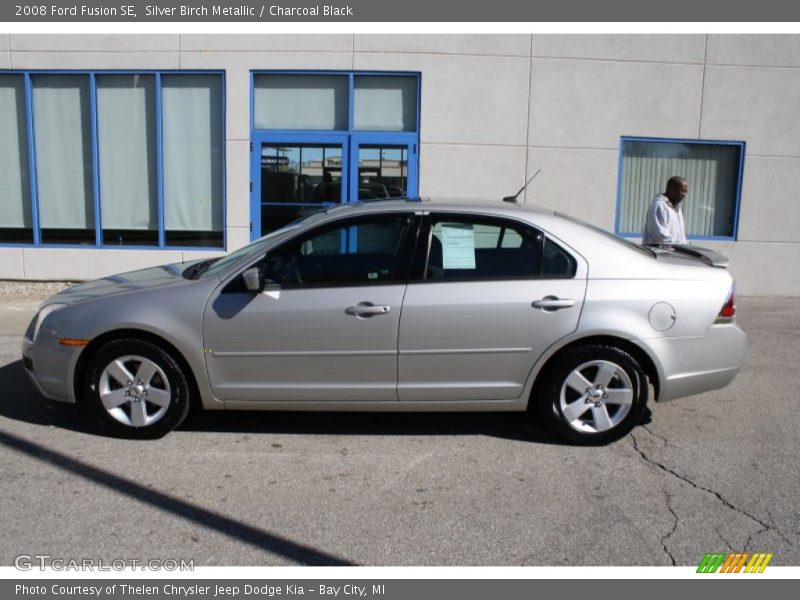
[366, 310]
[553, 303]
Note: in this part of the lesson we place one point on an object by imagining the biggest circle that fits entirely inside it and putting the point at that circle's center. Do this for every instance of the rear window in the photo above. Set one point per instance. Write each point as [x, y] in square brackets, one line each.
[557, 262]
[643, 249]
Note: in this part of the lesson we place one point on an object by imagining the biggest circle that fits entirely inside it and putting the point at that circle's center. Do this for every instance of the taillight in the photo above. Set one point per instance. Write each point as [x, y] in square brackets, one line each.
[728, 311]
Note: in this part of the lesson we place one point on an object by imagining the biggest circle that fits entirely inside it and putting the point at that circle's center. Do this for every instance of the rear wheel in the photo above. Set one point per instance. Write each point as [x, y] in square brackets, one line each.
[137, 390]
[593, 394]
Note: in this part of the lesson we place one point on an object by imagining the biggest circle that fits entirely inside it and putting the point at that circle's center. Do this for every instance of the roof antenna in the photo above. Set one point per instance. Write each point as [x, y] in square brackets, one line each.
[514, 197]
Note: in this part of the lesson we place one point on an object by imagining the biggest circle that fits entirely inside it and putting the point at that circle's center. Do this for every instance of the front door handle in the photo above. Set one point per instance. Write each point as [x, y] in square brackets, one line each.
[553, 303]
[366, 309]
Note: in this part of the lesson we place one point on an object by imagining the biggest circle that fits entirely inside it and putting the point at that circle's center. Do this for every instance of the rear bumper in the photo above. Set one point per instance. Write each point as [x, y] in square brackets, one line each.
[699, 364]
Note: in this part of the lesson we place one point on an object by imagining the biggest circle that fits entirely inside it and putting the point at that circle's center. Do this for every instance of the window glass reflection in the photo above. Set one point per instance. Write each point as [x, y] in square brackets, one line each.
[279, 215]
[382, 172]
[301, 173]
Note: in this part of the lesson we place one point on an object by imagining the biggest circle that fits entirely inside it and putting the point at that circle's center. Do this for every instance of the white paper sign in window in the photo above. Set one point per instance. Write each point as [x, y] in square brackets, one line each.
[458, 246]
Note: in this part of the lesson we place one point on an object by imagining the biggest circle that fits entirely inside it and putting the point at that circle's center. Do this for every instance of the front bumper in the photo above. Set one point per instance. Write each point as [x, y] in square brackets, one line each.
[699, 364]
[50, 366]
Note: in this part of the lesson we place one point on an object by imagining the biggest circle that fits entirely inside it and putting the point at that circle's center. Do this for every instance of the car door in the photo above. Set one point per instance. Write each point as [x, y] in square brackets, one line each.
[325, 326]
[492, 296]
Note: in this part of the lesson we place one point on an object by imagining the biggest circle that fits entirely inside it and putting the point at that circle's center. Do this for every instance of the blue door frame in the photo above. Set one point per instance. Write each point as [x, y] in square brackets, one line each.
[350, 143]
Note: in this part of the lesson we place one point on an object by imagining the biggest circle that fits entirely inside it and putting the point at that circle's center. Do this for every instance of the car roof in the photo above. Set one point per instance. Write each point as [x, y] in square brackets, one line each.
[448, 204]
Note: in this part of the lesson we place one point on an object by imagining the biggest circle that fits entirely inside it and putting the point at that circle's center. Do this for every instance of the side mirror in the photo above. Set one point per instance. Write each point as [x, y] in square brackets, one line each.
[252, 279]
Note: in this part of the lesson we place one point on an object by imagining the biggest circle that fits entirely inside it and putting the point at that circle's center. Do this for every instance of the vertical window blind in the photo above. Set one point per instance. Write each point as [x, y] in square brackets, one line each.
[192, 146]
[15, 205]
[63, 138]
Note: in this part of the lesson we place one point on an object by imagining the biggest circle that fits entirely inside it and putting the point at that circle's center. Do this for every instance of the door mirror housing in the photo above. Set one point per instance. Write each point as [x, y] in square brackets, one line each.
[252, 279]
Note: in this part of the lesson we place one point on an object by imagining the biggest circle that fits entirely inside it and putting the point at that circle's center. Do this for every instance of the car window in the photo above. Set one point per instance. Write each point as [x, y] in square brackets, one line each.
[557, 262]
[219, 265]
[359, 251]
[477, 247]
[607, 234]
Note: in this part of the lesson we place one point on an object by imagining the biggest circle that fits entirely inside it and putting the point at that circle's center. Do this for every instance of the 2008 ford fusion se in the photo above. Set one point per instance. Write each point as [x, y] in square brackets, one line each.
[399, 306]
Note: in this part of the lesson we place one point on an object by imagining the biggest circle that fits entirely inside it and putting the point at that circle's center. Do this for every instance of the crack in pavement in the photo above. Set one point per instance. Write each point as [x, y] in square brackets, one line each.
[765, 526]
[674, 528]
[775, 526]
[722, 537]
[654, 434]
[750, 538]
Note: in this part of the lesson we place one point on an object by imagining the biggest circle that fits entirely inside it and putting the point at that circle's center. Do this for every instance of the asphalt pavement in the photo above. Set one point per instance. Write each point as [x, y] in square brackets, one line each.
[714, 472]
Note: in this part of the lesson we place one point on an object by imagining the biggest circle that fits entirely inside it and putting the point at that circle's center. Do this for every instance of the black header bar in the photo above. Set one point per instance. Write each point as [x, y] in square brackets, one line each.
[440, 11]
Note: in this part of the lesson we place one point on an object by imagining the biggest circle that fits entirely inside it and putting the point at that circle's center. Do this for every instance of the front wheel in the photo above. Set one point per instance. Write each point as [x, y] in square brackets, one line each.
[593, 394]
[136, 390]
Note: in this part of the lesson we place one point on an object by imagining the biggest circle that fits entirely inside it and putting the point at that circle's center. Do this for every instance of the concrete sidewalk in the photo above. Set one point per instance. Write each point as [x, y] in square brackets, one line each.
[19, 301]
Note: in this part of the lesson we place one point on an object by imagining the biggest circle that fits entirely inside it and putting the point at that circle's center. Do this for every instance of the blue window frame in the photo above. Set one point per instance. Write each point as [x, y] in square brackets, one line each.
[343, 136]
[183, 232]
[713, 169]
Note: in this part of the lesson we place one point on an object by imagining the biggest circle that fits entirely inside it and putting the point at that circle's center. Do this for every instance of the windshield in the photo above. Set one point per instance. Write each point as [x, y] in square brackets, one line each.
[220, 264]
[217, 265]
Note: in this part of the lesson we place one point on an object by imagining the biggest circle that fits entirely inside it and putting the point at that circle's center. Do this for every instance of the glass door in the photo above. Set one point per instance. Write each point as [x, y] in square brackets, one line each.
[294, 175]
[383, 166]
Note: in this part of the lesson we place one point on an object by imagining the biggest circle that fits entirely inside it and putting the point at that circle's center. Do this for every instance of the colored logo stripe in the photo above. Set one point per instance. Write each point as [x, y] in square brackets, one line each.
[711, 562]
[734, 562]
[758, 563]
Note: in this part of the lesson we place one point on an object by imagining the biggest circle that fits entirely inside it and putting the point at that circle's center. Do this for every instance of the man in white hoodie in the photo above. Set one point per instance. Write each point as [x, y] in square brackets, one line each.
[664, 221]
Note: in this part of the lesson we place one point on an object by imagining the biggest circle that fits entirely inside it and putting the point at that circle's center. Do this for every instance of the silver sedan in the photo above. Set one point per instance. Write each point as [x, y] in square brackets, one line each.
[399, 306]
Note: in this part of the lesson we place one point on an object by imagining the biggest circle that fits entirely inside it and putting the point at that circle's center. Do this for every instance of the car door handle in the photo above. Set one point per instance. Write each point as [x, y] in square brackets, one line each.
[552, 303]
[366, 309]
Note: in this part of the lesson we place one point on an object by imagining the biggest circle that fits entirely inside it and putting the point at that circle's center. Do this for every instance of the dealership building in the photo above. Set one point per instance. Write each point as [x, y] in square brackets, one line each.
[124, 151]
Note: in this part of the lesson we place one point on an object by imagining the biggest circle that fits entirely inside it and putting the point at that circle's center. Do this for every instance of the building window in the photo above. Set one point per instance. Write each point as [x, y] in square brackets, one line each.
[15, 199]
[312, 102]
[382, 171]
[63, 142]
[126, 145]
[385, 103]
[112, 159]
[321, 138]
[192, 147]
[713, 171]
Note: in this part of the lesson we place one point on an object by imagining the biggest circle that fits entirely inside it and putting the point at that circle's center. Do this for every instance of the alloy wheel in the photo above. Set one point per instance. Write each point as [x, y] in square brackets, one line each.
[134, 391]
[596, 396]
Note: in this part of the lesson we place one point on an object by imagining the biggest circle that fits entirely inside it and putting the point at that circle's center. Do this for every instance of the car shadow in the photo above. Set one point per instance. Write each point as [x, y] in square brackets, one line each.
[510, 426]
[22, 402]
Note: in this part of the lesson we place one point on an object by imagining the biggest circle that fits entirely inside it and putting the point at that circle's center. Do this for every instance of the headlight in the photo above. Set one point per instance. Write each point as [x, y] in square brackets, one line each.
[40, 317]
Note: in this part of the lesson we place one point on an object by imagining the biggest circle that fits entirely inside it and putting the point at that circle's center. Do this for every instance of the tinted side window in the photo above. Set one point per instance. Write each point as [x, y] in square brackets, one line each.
[557, 262]
[466, 248]
[360, 251]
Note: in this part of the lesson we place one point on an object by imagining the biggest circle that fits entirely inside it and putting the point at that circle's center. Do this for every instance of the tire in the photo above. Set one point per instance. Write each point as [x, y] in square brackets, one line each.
[593, 395]
[136, 390]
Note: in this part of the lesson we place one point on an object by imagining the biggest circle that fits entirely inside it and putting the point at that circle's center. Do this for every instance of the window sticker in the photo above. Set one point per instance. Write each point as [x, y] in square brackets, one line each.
[458, 246]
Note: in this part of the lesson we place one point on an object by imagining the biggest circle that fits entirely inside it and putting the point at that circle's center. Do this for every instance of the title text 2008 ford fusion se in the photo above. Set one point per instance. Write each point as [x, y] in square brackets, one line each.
[399, 306]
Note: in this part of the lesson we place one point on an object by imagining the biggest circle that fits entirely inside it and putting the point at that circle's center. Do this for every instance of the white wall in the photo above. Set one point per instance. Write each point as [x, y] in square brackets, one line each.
[494, 109]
